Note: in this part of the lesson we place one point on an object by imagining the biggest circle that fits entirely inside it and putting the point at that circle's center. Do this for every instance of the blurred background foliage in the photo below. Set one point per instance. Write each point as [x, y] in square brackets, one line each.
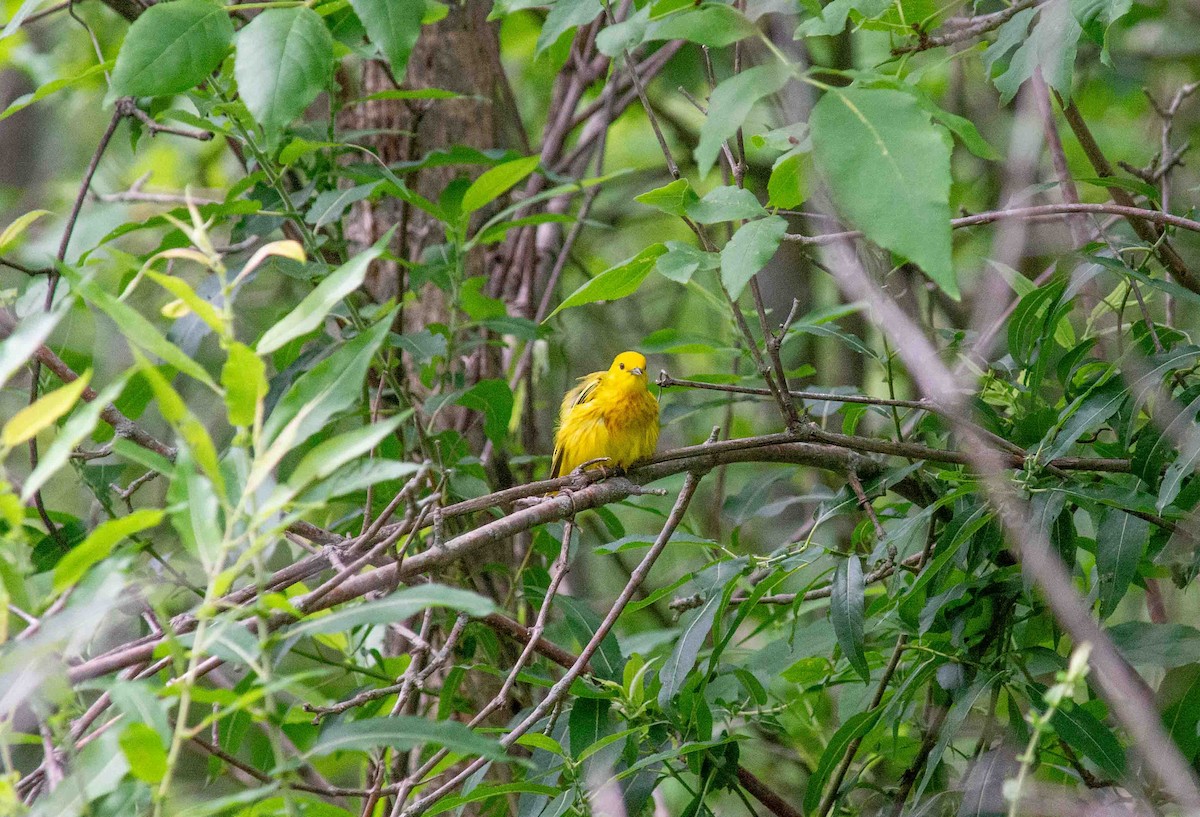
[334, 263]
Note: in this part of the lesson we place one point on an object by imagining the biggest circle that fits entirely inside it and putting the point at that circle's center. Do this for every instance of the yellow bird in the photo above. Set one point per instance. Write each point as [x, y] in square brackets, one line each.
[609, 414]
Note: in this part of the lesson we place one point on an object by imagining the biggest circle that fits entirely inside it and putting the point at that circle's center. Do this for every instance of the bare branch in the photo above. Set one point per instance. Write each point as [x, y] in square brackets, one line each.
[962, 29]
[1036, 212]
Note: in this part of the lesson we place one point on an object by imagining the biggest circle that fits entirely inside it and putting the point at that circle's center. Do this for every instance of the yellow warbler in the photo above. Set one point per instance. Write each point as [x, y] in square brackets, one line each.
[609, 414]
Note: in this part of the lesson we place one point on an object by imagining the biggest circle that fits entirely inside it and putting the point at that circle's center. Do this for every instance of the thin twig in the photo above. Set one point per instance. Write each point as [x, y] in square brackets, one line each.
[839, 774]
[965, 29]
[1040, 211]
[561, 687]
[127, 106]
[1126, 694]
[1141, 220]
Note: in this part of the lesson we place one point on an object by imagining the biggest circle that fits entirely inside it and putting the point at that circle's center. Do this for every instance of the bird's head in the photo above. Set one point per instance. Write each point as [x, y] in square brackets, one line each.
[628, 368]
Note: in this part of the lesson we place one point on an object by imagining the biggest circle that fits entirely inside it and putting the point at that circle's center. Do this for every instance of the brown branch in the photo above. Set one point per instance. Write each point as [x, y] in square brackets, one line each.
[666, 381]
[932, 734]
[30, 271]
[560, 688]
[1041, 211]
[763, 794]
[127, 106]
[839, 774]
[965, 29]
[811, 447]
[1141, 220]
[558, 572]
[1126, 694]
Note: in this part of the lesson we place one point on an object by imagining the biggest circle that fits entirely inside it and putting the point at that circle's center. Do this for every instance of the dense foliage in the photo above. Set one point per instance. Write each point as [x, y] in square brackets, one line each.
[289, 293]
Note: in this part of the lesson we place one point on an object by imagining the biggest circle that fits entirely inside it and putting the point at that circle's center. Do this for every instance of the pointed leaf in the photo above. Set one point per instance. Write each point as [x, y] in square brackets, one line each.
[284, 59]
[13, 231]
[1120, 543]
[731, 103]
[404, 732]
[496, 182]
[99, 544]
[846, 611]
[752, 246]
[311, 311]
[888, 170]
[172, 47]
[615, 282]
[43, 412]
[394, 26]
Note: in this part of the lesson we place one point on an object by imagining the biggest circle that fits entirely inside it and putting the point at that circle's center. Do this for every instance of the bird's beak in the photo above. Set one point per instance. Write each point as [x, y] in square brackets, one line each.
[638, 370]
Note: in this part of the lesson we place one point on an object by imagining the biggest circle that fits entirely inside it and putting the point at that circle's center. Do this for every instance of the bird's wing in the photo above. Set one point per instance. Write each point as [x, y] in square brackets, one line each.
[583, 393]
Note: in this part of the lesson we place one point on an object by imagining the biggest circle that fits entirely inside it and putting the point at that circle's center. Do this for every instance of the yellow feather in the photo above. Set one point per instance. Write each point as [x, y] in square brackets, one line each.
[609, 414]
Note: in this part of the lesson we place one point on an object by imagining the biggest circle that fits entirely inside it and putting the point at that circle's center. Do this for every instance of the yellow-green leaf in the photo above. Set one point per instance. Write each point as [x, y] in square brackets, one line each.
[43, 412]
[99, 544]
[181, 290]
[12, 231]
[244, 377]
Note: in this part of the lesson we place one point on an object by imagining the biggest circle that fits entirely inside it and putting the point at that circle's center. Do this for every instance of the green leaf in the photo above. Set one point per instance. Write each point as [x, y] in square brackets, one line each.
[673, 199]
[99, 544]
[1120, 543]
[199, 307]
[175, 411]
[832, 19]
[1097, 17]
[583, 622]
[730, 104]
[494, 400]
[726, 204]
[681, 261]
[138, 331]
[27, 336]
[9, 235]
[1161, 645]
[855, 727]
[172, 47]
[50, 88]
[615, 282]
[1087, 735]
[489, 792]
[284, 59]
[565, 15]
[786, 188]
[310, 312]
[145, 751]
[496, 182]
[42, 413]
[244, 377]
[330, 455]
[712, 24]
[587, 723]
[1084, 415]
[1050, 47]
[888, 170]
[74, 431]
[695, 625]
[846, 612]
[394, 26]
[1178, 698]
[964, 129]
[403, 732]
[398, 606]
[329, 206]
[327, 389]
[752, 246]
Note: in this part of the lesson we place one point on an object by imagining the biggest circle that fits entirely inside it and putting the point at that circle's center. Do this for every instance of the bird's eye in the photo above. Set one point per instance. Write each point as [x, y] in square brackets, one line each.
[622, 365]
